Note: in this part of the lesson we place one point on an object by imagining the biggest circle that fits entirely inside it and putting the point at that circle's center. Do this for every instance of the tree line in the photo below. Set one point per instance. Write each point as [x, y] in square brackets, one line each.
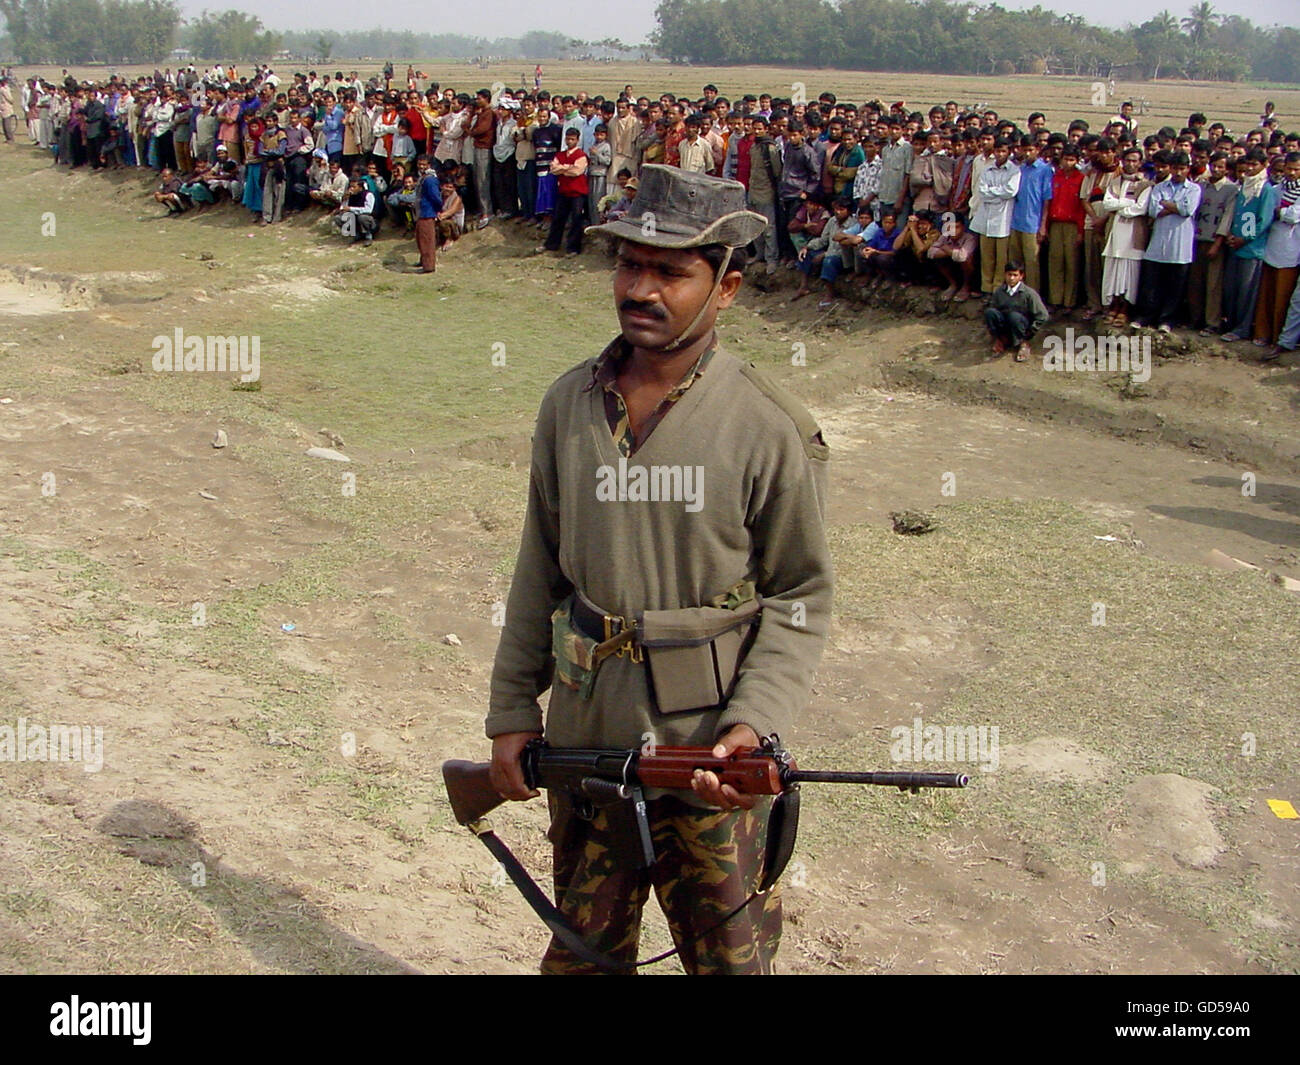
[84, 31]
[942, 36]
[134, 31]
[921, 36]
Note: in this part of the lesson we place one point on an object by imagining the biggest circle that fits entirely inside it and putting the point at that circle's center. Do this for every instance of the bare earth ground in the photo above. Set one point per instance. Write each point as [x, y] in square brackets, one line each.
[270, 799]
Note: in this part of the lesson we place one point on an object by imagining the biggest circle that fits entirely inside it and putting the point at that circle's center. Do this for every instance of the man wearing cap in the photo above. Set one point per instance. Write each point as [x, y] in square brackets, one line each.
[734, 521]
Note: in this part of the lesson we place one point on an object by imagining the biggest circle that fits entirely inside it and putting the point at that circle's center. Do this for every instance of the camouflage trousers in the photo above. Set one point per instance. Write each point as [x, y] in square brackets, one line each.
[707, 863]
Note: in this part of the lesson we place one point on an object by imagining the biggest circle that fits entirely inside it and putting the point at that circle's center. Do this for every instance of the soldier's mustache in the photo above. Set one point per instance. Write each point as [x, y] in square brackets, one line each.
[652, 309]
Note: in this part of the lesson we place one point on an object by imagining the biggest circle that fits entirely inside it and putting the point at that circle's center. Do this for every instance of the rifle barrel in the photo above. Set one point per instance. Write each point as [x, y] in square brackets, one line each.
[887, 779]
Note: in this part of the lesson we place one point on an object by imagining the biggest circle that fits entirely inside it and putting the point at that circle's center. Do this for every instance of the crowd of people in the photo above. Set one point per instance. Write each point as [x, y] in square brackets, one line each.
[1197, 226]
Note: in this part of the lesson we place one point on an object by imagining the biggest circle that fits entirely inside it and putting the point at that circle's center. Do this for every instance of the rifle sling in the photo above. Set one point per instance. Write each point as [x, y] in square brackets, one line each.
[545, 908]
[555, 920]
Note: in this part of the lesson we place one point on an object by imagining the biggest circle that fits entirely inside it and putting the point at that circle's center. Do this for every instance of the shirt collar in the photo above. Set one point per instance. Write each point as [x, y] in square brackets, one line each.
[605, 369]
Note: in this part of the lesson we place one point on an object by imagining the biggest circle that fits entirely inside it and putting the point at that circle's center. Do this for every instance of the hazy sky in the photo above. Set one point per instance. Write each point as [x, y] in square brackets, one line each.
[632, 20]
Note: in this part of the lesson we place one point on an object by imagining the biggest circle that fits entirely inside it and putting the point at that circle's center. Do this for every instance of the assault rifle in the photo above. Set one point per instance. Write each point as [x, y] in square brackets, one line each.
[594, 779]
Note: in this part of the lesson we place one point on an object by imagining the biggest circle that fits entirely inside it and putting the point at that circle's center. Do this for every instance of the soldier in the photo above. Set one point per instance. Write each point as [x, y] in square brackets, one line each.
[731, 527]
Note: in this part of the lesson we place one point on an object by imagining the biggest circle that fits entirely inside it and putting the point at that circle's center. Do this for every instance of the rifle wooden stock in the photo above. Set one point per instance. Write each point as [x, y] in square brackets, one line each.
[470, 790]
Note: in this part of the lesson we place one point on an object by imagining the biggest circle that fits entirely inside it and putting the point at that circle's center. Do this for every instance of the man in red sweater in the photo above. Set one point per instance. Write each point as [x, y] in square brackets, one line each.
[483, 128]
[570, 170]
[1064, 231]
[743, 143]
[415, 116]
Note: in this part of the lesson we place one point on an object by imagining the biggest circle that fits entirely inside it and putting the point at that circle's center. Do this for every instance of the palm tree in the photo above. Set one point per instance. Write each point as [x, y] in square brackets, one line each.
[1200, 22]
[1162, 22]
[1158, 41]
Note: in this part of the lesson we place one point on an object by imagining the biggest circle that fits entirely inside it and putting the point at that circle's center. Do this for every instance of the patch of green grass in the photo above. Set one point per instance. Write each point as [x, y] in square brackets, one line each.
[24, 903]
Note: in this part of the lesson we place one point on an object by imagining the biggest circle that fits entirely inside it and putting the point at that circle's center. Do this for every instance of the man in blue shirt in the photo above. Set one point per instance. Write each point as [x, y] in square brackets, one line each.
[333, 122]
[1029, 214]
[587, 131]
[429, 205]
[1169, 251]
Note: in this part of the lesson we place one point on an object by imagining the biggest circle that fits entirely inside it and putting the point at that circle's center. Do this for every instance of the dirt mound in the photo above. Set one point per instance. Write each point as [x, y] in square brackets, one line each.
[145, 820]
[1167, 821]
[30, 290]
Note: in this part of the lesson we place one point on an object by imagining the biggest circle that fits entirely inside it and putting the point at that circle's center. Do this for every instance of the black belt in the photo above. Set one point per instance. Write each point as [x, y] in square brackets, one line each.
[591, 623]
[602, 627]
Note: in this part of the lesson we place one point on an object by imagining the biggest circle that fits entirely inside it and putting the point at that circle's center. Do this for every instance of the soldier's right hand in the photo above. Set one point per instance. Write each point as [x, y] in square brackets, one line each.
[506, 774]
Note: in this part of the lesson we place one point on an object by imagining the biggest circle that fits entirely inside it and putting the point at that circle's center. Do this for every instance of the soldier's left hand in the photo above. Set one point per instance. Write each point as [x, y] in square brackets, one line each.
[706, 784]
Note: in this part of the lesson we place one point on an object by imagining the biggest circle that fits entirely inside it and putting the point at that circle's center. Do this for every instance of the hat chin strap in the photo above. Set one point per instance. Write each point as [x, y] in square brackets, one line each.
[717, 284]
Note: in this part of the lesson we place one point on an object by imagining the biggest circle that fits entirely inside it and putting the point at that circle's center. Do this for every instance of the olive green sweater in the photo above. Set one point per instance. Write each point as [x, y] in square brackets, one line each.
[759, 470]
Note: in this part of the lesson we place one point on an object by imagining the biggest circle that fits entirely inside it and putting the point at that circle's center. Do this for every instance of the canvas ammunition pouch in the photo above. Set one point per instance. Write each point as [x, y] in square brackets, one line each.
[693, 655]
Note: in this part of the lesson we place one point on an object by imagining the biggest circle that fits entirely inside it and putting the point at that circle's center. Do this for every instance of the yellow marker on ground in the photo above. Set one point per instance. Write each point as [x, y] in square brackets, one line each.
[1283, 809]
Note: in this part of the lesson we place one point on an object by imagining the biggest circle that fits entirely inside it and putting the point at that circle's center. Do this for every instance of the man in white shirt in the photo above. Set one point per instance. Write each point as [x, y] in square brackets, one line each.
[696, 153]
[998, 185]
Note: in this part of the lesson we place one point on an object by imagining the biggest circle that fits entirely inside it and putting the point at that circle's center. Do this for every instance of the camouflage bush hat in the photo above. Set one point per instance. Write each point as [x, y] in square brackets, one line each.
[677, 208]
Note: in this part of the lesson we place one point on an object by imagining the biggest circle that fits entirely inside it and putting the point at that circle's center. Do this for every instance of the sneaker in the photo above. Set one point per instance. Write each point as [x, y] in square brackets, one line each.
[1163, 327]
[484, 222]
[1229, 338]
